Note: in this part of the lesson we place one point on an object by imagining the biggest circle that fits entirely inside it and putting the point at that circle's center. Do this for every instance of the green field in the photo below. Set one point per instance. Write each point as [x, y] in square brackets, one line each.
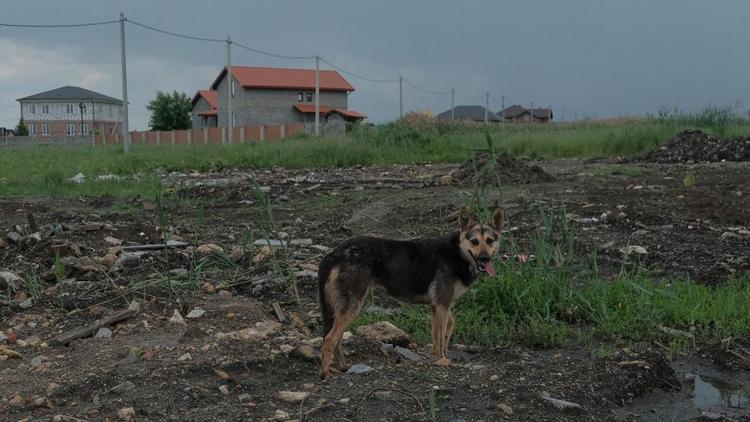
[46, 170]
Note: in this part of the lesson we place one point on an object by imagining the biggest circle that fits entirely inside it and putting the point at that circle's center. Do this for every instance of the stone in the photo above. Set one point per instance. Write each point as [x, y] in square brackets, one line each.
[195, 313]
[52, 388]
[78, 179]
[26, 304]
[37, 361]
[237, 254]
[505, 408]
[260, 331]
[293, 396]
[209, 248]
[9, 280]
[33, 340]
[633, 249]
[408, 354]
[306, 352]
[494, 378]
[224, 390]
[359, 369]
[178, 272]
[112, 241]
[122, 387]
[126, 414]
[185, 357]
[446, 180]
[301, 242]
[286, 348]
[16, 400]
[345, 400]
[264, 253]
[384, 332]
[244, 397]
[280, 415]
[177, 318]
[270, 242]
[103, 332]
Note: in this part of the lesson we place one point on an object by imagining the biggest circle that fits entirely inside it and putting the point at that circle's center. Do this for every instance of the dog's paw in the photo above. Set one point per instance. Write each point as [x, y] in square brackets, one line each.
[443, 362]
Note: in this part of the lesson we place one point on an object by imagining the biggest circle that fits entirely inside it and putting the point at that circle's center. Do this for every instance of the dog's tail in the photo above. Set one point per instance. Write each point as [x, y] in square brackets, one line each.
[326, 312]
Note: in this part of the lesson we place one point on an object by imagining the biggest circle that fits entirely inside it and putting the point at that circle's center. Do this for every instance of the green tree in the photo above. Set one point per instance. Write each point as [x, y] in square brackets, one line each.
[21, 129]
[170, 111]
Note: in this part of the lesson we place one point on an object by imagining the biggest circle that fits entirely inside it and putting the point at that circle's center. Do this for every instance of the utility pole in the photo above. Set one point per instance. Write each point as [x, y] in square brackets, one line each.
[317, 95]
[453, 103]
[502, 104]
[486, 107]
[400, 96]
[230, 88]
[125, 128]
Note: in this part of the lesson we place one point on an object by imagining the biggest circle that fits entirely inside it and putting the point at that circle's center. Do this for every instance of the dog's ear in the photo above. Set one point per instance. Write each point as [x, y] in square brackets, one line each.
[499, 218]
[465, 218]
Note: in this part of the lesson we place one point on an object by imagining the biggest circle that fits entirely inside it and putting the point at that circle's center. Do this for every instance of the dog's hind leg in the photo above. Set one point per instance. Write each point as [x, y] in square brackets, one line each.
[439, 325]
[346, 294]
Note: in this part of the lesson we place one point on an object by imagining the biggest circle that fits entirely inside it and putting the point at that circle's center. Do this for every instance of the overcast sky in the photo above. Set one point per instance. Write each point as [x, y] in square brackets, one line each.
[603, 57]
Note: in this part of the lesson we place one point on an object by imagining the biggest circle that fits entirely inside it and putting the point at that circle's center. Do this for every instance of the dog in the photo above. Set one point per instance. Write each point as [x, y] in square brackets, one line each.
[434, 272]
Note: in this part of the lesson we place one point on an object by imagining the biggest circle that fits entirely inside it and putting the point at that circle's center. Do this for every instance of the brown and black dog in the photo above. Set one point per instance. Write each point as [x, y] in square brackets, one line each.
[435, 272]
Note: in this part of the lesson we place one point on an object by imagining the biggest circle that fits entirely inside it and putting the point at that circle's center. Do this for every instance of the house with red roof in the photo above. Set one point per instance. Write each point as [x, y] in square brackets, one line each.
[268, 95]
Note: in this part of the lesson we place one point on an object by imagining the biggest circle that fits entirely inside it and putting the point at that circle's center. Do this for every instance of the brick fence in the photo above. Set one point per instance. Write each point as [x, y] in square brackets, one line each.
[210, 135]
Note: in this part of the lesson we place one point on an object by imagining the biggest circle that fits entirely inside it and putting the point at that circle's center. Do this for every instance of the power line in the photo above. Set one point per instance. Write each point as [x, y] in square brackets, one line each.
[426, 90]
[68, 25]
[266, 53]
[342, 70]
[470, 97]
[174, 34]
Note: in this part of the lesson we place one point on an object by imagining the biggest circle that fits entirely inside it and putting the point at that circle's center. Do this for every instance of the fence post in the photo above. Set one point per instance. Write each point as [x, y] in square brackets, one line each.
[205, 135]
[158, 137]
[190, 136]
[172, 136]
[282, 131]
[242, 134]
[223, 135]
[262, 132]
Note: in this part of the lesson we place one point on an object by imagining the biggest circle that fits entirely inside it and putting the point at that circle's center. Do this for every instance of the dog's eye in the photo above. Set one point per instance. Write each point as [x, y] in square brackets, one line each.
[490, 240]
[474, 242]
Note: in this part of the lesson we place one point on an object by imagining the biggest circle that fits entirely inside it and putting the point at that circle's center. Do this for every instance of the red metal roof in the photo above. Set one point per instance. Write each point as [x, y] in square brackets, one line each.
[310, 108]
[284, 78]
[211, 96]
[349, 113]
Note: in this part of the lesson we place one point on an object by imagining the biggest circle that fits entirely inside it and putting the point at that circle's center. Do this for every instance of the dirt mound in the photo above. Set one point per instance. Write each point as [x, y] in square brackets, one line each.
[508, 169]
[691, 146]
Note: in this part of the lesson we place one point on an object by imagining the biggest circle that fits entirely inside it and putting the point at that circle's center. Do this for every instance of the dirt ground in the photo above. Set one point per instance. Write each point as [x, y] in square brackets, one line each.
[235, 359]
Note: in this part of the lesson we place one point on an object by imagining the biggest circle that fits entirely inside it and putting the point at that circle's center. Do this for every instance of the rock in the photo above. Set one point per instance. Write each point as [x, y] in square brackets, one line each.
[264, 253]
[224, 390]
[446, 180]
[384, 332]
[286, 348]
[562, 405]
[244, 397]
[359, 368]
[494, 378]
[14, 237]
[195, 313]
[209, 248]
[269, 242]
[633, 249]
[26, 304]
[122, 387]
[208, 287]
[306, 352]
[38, 361]
[16, 400]
[345, 400]
[505, 408]
[301, 242]
[185, 357]
[177, 318]
[52, 388]
[408, 354]
[280, 415]
[103, 332]
[9, 280]
[292, 396]
[237, 254]
[260, 331]
[178, 272]
[126, 414]
[112, 241]
[33, 340]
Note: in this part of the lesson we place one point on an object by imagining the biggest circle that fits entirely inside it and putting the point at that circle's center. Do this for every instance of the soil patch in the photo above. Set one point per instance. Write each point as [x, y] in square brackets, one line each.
[691, 146]
[506, 169]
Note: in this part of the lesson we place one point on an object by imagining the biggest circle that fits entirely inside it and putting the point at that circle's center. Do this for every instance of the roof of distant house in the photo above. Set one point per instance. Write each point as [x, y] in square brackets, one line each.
[211, 97]
[284, 78]
[469, 112]
[516, 110]
[71, 93]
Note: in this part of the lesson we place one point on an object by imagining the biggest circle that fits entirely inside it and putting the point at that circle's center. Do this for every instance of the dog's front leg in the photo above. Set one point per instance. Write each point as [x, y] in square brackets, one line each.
[448, 332]
[439, 329]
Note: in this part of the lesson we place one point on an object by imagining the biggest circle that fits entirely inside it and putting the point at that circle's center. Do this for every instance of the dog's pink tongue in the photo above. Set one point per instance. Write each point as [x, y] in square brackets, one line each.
[490, 268]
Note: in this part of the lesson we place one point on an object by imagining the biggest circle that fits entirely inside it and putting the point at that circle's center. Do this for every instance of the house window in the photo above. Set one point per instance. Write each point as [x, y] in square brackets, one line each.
[300, 96]
[32, 108]
[309, 97]
[45, 108]
[32, 129]
[85, 129]
[71, 129]
[45, 130]
[234, 88]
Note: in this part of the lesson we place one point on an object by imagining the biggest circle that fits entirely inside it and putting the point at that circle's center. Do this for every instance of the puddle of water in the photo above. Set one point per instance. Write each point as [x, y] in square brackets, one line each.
[710, 393]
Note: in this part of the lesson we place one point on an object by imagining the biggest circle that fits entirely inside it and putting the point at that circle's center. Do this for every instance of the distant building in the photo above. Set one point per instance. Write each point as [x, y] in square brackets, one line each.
[267, 95]
[6, 133]
[474, 113]
[517, 113]
[70, 111]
